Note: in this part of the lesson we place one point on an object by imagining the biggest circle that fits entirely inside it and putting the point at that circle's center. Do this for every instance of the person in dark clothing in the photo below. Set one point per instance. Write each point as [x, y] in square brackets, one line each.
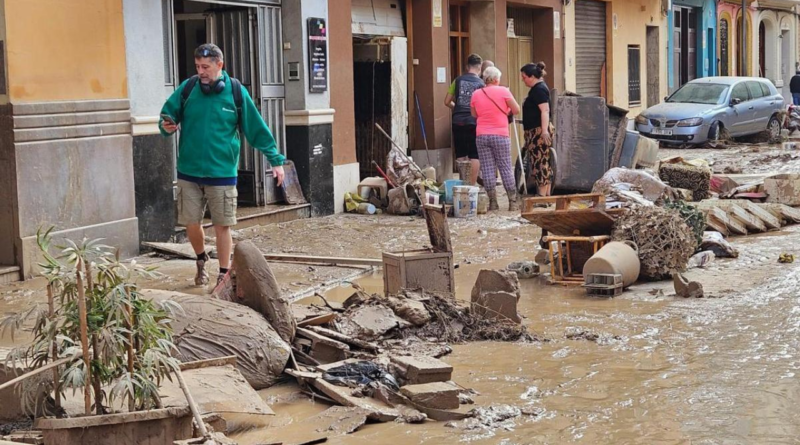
[464, 125]
[537, 126]
[794, 87]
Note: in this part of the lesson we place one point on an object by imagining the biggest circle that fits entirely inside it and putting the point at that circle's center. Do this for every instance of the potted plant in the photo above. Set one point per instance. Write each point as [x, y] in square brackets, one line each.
[97, 334]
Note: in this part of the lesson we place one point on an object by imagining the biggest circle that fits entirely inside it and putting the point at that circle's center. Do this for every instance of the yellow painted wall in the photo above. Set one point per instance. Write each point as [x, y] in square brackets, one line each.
[65, 50]
[633, 16]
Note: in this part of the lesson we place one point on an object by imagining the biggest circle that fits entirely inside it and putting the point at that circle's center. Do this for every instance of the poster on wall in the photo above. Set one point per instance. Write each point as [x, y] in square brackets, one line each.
[317, 55]
[437, 13]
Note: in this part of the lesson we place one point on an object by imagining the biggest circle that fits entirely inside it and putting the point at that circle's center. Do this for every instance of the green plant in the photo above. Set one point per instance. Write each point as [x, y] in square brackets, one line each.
[695, 218]
[96, 319]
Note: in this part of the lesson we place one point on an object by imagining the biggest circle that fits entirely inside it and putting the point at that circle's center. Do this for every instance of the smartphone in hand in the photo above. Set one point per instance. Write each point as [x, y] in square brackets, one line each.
[168, 119]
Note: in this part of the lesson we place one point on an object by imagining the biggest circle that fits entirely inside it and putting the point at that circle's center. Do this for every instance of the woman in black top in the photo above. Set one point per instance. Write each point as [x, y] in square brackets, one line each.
[536, 122]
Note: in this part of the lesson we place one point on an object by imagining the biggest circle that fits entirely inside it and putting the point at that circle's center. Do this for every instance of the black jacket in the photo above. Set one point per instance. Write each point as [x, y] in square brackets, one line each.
[794, 85]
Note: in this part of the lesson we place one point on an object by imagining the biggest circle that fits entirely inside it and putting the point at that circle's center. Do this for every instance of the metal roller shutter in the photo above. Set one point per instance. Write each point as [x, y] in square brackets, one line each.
[590, 46]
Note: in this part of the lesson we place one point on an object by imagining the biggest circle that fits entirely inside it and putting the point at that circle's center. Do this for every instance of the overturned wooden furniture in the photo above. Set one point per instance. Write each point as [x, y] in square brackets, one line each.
[577, 225]
[430, 269]
[567, 267]
[583, 215]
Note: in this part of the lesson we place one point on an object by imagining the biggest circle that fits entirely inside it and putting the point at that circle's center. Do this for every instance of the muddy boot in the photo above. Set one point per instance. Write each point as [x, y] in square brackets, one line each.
[492, 199]
[513, 205]
[201, 277]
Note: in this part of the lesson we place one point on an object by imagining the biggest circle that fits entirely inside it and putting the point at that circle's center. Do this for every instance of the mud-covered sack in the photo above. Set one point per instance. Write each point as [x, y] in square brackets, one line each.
[209, 328]
[257, 288]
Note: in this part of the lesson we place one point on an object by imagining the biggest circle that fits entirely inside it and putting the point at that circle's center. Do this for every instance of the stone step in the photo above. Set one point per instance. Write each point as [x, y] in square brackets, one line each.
[256, 216]
[9, 274]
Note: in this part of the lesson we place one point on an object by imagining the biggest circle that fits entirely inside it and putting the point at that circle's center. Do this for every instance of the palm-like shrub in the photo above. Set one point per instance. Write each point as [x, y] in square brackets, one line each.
[109, 337]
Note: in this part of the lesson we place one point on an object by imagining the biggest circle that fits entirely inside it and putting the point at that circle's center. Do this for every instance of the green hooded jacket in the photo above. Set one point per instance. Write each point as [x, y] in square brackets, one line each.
[209, 140]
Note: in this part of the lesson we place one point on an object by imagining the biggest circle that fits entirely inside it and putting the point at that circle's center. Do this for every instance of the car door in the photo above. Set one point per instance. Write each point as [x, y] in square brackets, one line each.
[760, 105]
[740, 115]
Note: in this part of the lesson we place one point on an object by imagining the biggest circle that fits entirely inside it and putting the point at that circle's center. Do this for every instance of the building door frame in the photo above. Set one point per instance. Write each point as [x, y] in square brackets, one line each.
[266, 84]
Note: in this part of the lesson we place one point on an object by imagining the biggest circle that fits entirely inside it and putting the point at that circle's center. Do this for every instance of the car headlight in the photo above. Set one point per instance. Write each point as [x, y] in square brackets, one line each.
[640, 119]
[693, 122]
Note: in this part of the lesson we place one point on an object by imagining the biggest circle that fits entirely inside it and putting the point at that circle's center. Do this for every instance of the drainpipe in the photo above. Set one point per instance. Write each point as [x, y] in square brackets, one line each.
[743, 35]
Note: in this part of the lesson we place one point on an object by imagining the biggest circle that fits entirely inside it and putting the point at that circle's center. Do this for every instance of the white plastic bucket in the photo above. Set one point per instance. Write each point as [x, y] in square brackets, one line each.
[465, 201]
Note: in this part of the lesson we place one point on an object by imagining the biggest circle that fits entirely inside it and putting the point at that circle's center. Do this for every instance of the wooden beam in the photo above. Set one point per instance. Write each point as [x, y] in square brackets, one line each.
[333, 261]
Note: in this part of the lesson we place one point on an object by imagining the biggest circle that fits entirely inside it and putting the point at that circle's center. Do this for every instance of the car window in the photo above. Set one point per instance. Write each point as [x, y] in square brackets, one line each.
[755, 90]
[700, 93]
[765, 89]
[740, 92]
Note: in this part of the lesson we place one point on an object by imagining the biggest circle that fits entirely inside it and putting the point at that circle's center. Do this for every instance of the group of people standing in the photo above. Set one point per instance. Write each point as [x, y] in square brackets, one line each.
[482, 113]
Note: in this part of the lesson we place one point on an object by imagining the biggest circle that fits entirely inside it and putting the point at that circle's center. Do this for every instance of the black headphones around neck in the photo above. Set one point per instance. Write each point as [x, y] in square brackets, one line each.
[216, 86]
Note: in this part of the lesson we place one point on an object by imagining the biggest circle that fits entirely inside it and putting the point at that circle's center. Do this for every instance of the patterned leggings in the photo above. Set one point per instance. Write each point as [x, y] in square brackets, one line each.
[495, 154]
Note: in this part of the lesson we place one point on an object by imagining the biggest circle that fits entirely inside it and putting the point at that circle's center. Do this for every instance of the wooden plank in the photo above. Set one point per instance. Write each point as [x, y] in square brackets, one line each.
[783, 211]
[367, 346]
[379, 411]
[715, 224]
[749, 220]
[184, 250]
[438, 229]
[316, 321]
[330, 261]
[583, 222]
[764, 215]
[220, 361]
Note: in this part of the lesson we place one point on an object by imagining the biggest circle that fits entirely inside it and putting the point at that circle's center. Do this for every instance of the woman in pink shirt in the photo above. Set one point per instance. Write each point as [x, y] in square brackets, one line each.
[494, 106]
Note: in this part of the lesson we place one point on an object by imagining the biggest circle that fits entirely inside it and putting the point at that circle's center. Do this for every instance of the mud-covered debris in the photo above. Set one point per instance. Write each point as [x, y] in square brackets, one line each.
[524, 269]
[687, 289]
[437, 395]
[368, 322]
[496, 281]
[412, 311]
[577, 333]
[495, 295]
[491, 417]
[421, 370]
[449, 322]
[257, 288]
[664, 239]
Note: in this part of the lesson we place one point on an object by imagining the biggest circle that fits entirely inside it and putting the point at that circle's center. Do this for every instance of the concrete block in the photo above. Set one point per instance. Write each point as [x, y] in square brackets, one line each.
[421, 370]
[499, 305]
[496, 281]
[437, 395]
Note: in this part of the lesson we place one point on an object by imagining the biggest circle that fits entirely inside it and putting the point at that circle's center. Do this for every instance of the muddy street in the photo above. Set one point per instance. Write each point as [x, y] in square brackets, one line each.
[645, 367]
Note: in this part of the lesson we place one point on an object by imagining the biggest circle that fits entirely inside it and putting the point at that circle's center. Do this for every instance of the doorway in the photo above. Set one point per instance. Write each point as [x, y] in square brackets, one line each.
[653, 67]
[380, 93]
[250, 38]
[684, 56]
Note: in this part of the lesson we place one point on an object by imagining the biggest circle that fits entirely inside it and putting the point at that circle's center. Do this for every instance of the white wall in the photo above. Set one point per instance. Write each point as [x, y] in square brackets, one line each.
[144, 48]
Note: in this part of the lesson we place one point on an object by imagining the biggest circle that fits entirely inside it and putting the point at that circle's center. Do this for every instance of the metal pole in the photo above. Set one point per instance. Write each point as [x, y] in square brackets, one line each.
[743, 37]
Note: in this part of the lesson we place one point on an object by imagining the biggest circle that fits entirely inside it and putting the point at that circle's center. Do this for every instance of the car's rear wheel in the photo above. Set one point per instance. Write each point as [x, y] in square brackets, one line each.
[774, 129]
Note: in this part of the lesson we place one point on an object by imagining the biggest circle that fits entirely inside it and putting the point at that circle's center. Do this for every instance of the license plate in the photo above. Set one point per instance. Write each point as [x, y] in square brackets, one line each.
[662, 132]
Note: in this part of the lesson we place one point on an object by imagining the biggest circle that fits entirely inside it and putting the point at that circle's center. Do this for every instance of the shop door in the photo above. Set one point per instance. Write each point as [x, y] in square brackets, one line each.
[590, 47]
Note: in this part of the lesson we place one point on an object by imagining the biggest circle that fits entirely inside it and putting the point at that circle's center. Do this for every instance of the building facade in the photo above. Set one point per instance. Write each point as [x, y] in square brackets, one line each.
[618, 50]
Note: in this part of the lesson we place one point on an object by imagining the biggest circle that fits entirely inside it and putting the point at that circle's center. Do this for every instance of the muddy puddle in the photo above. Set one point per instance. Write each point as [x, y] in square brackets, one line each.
[643, 368]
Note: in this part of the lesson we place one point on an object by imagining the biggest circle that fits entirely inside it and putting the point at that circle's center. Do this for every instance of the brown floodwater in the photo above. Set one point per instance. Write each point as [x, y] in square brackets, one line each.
[659, 370]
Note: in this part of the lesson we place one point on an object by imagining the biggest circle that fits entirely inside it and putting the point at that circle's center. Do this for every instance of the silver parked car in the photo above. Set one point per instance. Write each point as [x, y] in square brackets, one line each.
[703, 108]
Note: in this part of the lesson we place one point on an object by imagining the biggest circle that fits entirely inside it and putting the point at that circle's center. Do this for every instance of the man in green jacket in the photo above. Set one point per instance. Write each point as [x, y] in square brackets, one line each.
[208, 152]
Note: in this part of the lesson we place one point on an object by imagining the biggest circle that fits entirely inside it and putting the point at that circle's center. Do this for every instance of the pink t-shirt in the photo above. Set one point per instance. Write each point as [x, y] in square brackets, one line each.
[492, 121]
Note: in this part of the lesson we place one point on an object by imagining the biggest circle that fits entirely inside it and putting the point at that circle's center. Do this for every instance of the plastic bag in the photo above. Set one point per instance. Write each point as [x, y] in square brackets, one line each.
[360, 373]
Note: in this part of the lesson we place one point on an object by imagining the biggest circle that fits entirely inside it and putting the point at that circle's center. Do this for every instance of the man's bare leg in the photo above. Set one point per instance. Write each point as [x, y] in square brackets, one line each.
[224, 246]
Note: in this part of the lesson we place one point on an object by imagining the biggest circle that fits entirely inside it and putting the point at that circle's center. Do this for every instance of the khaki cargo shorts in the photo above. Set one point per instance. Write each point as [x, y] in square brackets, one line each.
[192, 199]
